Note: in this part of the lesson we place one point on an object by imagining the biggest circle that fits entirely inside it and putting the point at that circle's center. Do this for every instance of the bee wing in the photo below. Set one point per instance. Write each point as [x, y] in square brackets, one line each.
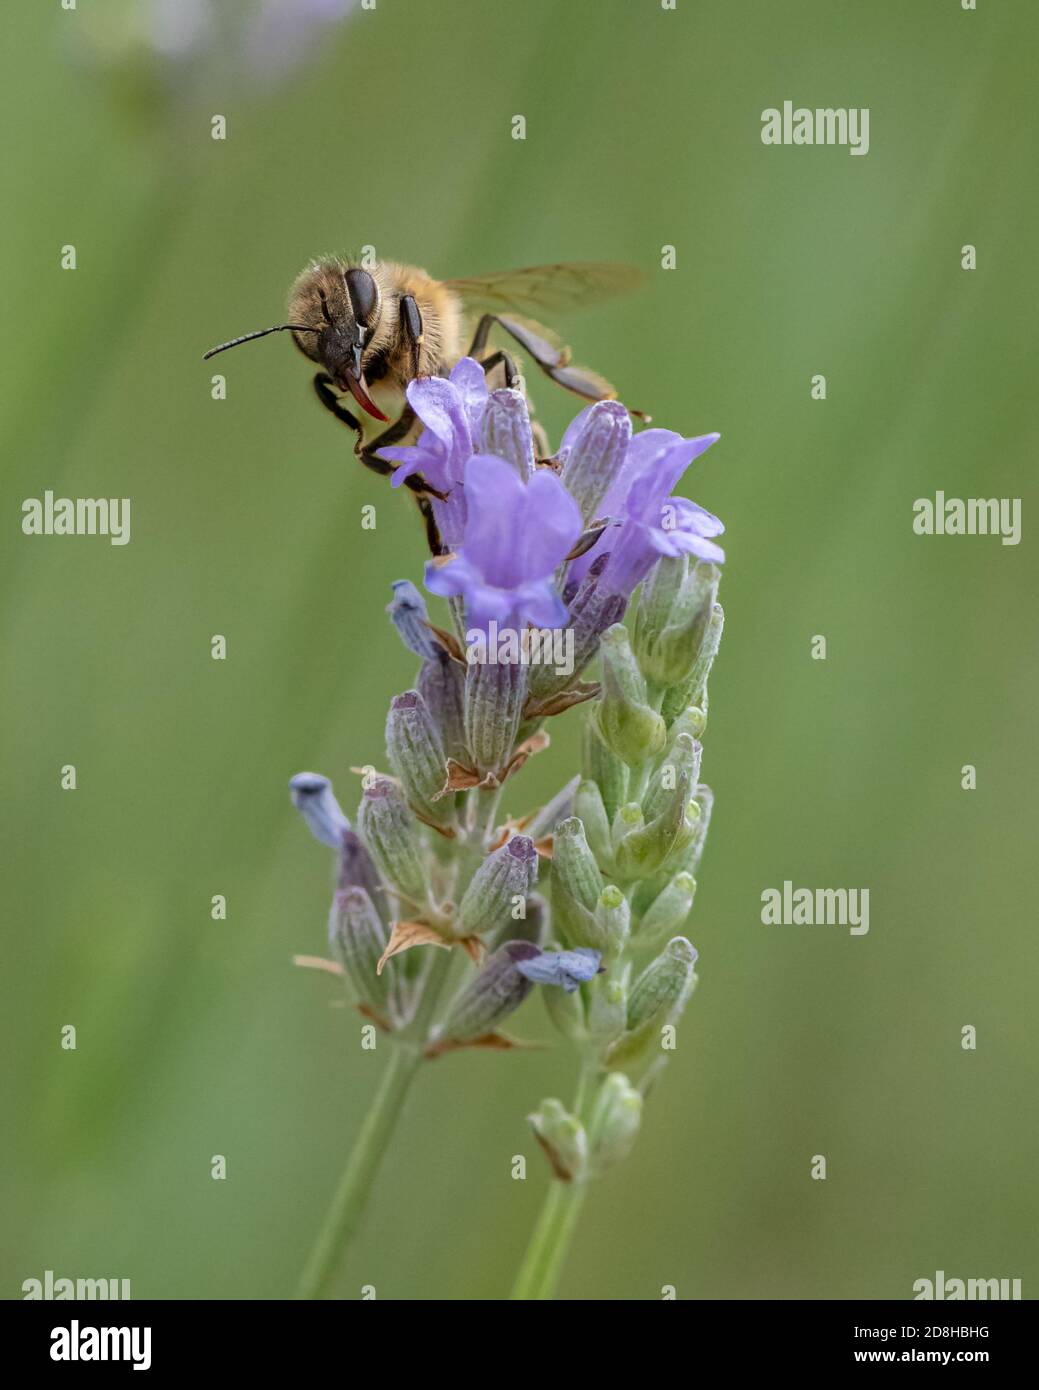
[565, 286]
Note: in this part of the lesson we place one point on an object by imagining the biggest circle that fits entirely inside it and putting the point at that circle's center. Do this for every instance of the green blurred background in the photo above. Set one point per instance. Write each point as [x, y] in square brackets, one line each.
[198, 1037]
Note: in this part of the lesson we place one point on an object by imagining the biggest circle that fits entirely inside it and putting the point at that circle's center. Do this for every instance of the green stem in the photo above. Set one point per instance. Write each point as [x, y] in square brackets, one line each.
[358, 1178]
[543, 1262]
[546, 1254]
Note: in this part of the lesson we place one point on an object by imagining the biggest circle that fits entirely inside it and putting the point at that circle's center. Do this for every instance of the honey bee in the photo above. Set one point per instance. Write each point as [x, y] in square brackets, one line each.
[371, 329]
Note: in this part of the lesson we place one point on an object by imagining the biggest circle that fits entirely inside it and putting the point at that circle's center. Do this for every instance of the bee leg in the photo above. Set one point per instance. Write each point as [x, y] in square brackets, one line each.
[369, 455]
[553, 363]
[502, 359]
[425, 506]
[410, 320]
[324, 387]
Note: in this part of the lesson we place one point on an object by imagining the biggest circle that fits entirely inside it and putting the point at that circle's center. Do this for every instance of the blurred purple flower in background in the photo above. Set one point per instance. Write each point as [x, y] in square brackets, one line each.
[251, 39]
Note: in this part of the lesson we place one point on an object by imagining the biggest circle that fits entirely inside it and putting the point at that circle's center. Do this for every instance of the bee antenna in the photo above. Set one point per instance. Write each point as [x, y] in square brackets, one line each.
[260, 333]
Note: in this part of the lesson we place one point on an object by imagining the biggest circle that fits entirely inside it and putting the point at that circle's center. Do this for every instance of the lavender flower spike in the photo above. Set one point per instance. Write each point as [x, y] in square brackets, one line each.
[516, 534]
[313, 797]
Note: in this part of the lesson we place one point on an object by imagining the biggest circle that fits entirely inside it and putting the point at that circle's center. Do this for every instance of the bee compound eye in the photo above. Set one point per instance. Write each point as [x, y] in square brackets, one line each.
[364, 295]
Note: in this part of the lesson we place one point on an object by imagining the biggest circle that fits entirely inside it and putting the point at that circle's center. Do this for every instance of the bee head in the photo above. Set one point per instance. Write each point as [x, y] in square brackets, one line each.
[334, 311]
[341, 309]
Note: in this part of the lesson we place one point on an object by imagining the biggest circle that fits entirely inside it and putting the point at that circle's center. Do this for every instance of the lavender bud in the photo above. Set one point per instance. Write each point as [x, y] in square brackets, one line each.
[589, 809]
[575, 864]
[657, 998]
[356, 870]
[357, 939]
[616, 1121]
[591, 611]
[563, 1139]
[441, 683]
[313, 797]
[644, 849]
[595, 457]
[705, 656]
[668, 911]
[682, 759]
[409, 615]
[628, 819]
[576, 885]
[417, 756]
[494, 696]
[628, 725]
[613, 913]
[505, 431]
[693, 690]
[604, 768]
[608, 1010]
[498, 988]
[390, 832]
[673, 619]
[500, 884]
[693, 853]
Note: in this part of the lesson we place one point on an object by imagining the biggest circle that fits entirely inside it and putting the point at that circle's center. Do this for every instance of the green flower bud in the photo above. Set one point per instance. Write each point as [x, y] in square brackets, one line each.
[673, 619]
[628, 819]
[643, 851]
[613, 913]
[357, 939]
[607, 1008]
[390, 832]
[417, 756]
[688, 854]
[495, 991]
[676, 706]
[668, 911]
[575, 864]
[572, 922]
[657, 998]
[616, 1121]
[628, 725]
[588, 806]
[563, 1139]
[494, 695]
[604, 768]
[705, 656]
[659, 592]
[682, 758]
[505, 877]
